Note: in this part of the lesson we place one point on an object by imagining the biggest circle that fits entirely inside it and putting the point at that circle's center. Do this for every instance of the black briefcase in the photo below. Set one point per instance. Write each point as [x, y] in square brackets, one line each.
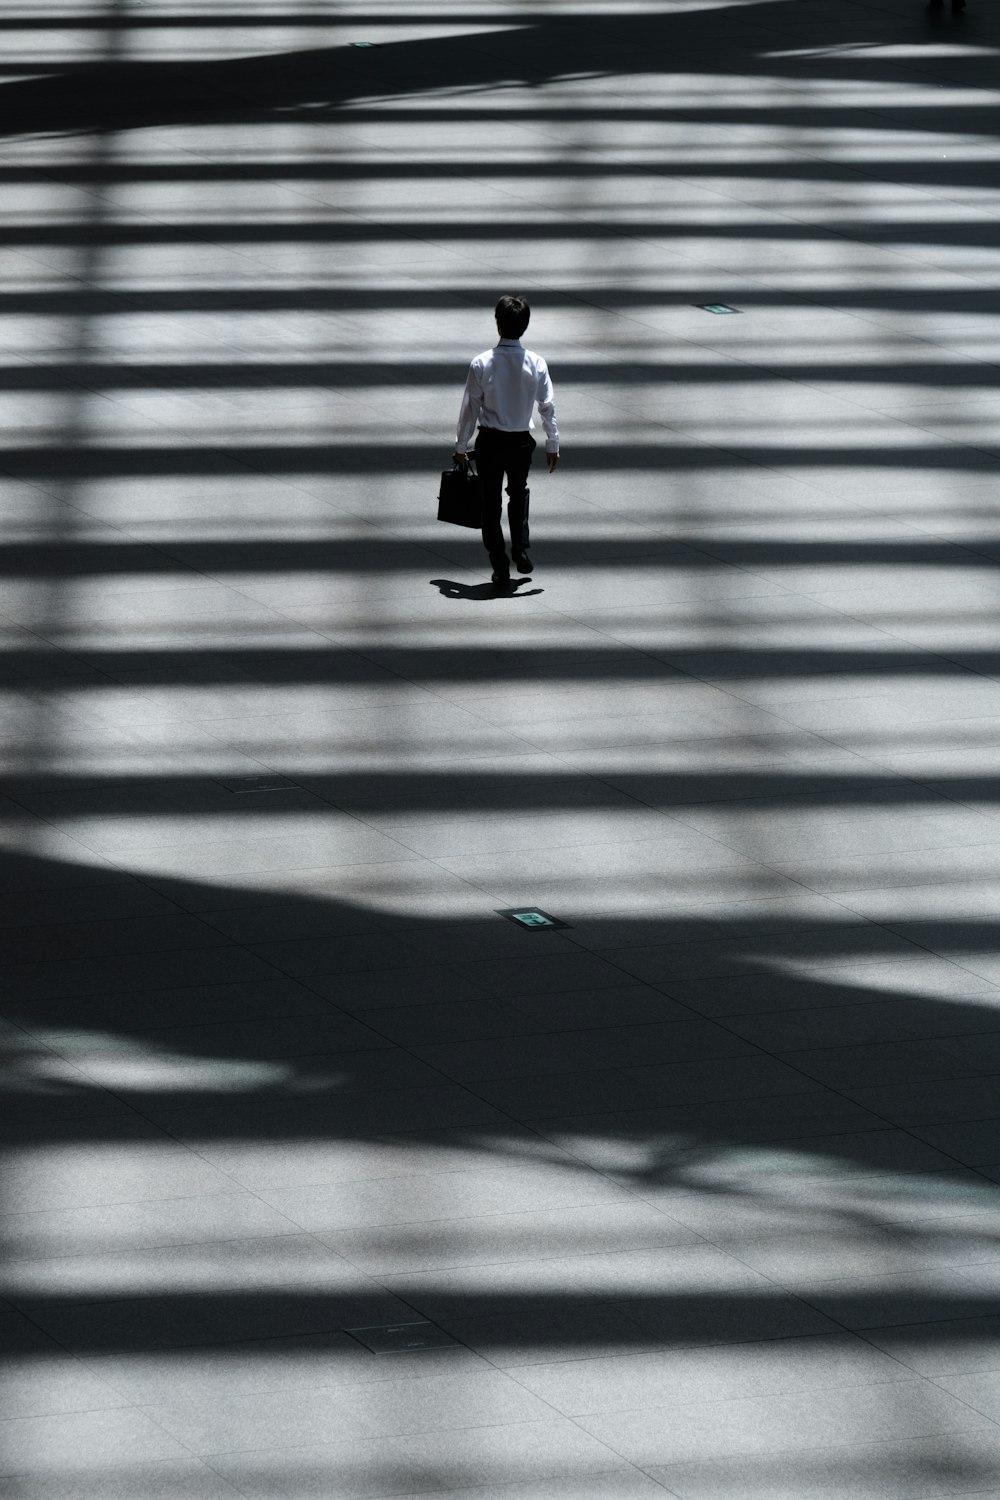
[460, 498]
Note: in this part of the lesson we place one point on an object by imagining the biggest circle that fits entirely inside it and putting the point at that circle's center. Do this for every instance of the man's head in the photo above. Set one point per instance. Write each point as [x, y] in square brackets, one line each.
[512, 314]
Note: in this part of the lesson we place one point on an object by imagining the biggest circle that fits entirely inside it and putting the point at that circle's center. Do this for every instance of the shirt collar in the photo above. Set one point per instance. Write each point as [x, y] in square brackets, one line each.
[509, 343]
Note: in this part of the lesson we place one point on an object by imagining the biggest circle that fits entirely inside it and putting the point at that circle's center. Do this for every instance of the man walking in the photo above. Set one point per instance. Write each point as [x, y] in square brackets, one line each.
[504, 386]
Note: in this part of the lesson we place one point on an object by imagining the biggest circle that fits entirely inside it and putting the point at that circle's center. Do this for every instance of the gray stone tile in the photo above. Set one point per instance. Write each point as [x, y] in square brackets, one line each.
[980, 1048]
[984, 965]
[980, 1389]
[668, 1042]
[511, 1453]
[138, 1226]
[54, 1384]
[461, 1021]
[961, 1346]
[113, 902]
[613, 1089]
[463, 836]
[437, 1196]
[349, 844]
[912, 867]
[974, 1142]
[329, 1361]
[130, 1162]
[147, 1323]
[335, 955]
[88, 976]
[532, 1337]
[918, 1295]
[823, 987]
[502, 1238]
[251, 1264]
[402, 892]
[387, 1408]
[576, 1051]
[728, 1320]
[189, 1005]
[615, 1140]
[327, 1110]
[289, 1157]
[629, 1005]
[157, 934]
[297, 1036]
[838, 1419]
[577, 1387]
[837, 1025]
[159, 1479]
[291, 921]
[453, 942]
[800, 1259]
[784, 834]
[416, 985]
[614, 1046]
[933, 1101]
[736, 1175]
[881, 1063]
[686, 854]
[712, 1298]
[545, 973]
[102, 1439]
[70, 1106]
[619, 1484]
[864, 1471]
[973, 1016]
[668, 963]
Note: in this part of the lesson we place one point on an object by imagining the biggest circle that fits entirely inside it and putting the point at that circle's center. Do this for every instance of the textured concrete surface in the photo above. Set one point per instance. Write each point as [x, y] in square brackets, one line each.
[322, 1179]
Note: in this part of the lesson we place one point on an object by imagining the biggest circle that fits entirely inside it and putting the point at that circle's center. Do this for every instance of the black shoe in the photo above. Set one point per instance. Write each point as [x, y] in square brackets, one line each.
[522, 562]
[502, 580]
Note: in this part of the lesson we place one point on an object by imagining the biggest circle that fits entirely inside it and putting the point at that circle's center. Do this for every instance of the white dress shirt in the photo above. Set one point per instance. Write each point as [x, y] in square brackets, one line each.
[503, 387]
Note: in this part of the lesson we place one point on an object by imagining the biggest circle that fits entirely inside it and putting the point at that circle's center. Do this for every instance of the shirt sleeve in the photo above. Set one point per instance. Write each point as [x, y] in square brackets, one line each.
[545, 397]
[472, 405]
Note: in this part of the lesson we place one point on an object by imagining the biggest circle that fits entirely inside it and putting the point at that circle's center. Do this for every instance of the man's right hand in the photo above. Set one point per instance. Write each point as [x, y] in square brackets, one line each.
[552, 459]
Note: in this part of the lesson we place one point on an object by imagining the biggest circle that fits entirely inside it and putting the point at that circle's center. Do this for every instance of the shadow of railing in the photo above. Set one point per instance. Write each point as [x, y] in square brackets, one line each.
[404, 1148]
[544, 47]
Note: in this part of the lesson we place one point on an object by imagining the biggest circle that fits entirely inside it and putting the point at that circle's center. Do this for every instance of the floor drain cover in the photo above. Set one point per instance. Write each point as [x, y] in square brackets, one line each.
[393, 1338]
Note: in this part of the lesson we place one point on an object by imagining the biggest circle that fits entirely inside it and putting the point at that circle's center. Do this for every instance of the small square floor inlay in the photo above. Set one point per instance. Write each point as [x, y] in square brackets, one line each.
[394, 1338]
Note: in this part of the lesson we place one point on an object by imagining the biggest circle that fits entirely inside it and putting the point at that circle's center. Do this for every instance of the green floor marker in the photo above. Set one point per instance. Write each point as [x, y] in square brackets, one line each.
[531, 918]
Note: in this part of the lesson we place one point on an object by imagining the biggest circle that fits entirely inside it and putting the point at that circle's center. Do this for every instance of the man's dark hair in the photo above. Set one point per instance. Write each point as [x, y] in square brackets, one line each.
[512, 315]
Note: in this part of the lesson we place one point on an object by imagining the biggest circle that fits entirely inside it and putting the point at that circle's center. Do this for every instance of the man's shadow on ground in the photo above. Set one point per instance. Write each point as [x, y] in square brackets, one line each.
[513, 590]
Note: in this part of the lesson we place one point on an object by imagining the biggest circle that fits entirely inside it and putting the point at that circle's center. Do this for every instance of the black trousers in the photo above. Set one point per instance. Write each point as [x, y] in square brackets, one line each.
[499, 454]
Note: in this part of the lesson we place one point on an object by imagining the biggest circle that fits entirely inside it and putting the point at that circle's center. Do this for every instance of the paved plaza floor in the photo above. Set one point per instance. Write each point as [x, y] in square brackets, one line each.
[324, 1180]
